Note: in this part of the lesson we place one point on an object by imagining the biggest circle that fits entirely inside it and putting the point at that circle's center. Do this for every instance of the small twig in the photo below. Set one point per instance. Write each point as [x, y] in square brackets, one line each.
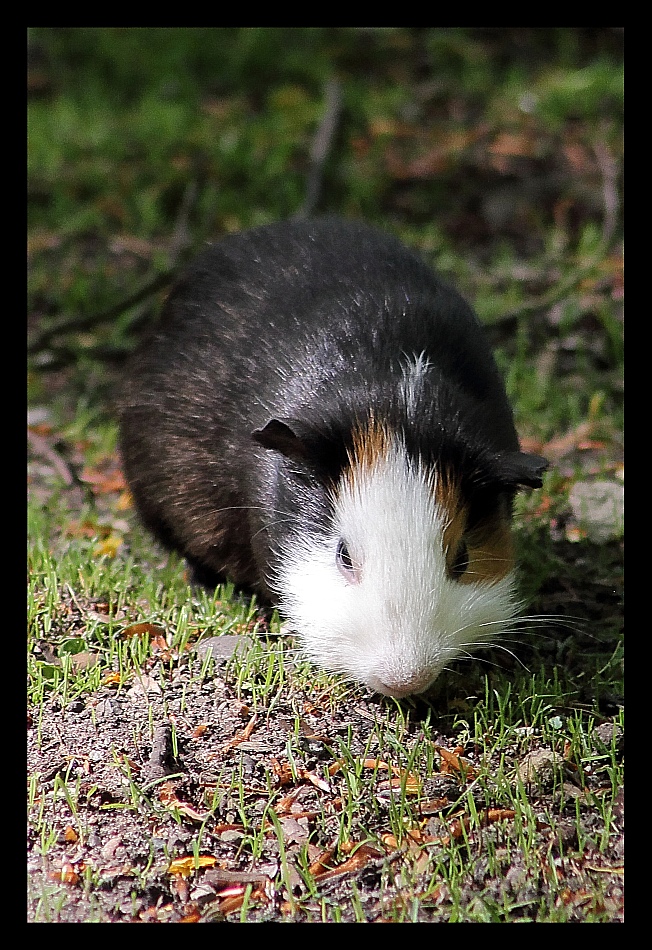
[559, 291]
[180, 240]
[39, 341]
[609, 169]
[546, 300]
[159, 764]
[179, 244]
[45, 450]
[321, 147]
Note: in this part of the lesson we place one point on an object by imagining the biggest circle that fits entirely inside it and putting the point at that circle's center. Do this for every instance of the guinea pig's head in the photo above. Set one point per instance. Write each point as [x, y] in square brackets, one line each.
[413, 568]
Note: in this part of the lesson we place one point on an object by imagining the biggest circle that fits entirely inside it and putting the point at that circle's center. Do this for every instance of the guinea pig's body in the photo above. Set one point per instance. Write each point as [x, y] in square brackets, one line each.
[317, 417]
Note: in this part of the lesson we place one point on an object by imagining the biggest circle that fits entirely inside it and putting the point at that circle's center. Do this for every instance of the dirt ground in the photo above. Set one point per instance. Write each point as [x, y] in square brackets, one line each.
[139, 808]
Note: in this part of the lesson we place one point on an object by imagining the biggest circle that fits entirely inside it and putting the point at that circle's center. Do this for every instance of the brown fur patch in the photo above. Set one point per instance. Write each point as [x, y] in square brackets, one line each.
[370, 444]
[491, 551]
[489, 545]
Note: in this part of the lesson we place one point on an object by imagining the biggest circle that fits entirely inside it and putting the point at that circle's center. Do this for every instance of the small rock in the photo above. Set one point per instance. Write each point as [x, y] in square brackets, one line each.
[599, 508]
[222, 648]
[608, 732]
[542, 767]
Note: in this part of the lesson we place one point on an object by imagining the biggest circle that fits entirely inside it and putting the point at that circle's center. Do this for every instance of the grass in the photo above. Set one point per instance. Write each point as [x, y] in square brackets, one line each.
[529, 712]
[497, 155]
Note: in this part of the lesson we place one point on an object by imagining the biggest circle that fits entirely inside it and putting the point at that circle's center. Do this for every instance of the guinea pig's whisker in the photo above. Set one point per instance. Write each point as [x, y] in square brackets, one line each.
[271, 524]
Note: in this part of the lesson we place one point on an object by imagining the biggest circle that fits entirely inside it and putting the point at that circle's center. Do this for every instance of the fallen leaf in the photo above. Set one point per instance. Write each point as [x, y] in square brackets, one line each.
[557, 448]
[285, 805]
[142, 630]
[282, 771]
[415, 838]
[80, 529]
[459, 826]
[294, 830]
[125, 501]
[241, 736]
[315, 780]
[390, 841]
[232, 903]
[499, 814]
[450, 762]
[219, 829]
[180, 887]
[376, 764]
[168, 797]
[231, 890]
[108, 547]
[433, 805]
[362, 856]
[323, 863]
[142, 685]
[186, 866]
[104, 482]
[66, 875]
[312, 736]
[512, 144]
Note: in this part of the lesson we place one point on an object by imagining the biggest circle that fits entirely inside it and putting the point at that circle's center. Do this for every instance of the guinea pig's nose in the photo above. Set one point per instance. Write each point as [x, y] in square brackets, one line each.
[398, 685]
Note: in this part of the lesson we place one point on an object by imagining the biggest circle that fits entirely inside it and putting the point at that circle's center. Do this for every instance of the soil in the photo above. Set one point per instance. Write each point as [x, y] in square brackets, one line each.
[141, 804]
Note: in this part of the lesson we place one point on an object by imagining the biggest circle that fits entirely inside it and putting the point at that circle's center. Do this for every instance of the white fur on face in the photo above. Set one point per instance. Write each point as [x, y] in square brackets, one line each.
[415, 370]
[399, 618]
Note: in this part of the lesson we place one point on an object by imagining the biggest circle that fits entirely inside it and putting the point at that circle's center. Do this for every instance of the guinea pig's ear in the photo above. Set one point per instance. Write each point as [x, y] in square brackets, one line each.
[521, 469]
[284, 436]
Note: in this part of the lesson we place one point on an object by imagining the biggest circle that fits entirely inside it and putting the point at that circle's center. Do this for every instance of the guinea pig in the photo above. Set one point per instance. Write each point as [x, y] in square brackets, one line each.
[318, 417]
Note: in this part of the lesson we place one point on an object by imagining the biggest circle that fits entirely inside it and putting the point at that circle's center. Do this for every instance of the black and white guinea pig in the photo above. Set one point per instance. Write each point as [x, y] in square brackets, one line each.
[319, 418]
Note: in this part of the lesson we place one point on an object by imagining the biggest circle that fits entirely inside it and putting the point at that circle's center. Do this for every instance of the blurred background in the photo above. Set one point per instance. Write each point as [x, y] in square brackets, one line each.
[496, 152]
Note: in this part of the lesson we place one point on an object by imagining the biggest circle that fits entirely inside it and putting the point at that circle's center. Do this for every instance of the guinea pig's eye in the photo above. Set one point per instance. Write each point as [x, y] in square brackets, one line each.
[344, 562]
[461, 561]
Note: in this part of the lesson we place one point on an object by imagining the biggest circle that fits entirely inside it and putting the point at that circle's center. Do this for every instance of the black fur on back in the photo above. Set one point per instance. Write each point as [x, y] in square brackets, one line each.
[309, 323]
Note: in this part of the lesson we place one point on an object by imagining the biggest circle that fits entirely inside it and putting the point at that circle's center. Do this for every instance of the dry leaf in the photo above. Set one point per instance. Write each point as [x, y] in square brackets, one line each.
[362, 856]
[433, 805]
[232, 903]
[108, 547]
[315, 780]
[242, 736]
[282, 771]
[499, 814]
[67, 874]
[186, 866]
[125, 501]
[83, 660]
[143, 629]
[104, 482]
[168, 798]
[450, 762]
[80, 529]
[459, 826]
[218, 829]
[323, 863]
